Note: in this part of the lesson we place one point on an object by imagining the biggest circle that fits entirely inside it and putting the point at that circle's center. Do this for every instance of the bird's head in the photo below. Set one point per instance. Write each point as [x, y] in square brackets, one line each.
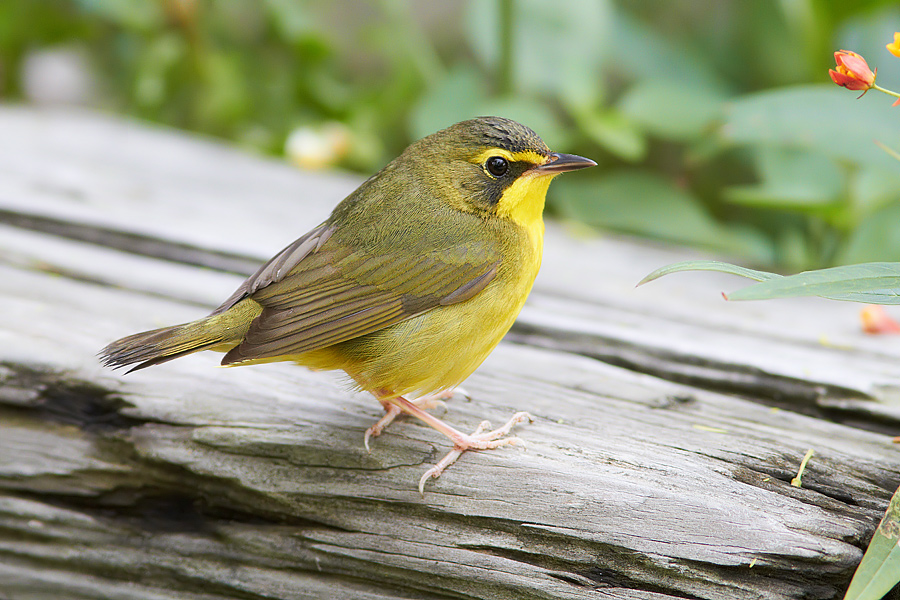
[493, 165]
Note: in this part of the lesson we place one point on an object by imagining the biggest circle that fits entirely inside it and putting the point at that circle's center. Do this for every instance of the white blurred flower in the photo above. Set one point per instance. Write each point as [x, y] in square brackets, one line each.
[318, 147]
[57, 76]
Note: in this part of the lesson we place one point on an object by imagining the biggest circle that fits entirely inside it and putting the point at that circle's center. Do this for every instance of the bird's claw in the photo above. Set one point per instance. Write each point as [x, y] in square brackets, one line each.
[480, 439]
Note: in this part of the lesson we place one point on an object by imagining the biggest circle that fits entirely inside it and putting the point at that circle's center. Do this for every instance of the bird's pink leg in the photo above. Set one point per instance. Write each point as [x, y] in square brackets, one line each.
[391, 410]
[478, 440]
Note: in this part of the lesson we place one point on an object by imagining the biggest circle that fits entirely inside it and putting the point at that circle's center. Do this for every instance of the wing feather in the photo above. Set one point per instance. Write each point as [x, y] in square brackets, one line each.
[320, 291]
[290, 342]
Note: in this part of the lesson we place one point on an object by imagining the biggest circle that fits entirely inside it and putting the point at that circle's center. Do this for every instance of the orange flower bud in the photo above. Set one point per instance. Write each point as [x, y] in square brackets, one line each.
[852, 71]
[875, 320]
[894, 47]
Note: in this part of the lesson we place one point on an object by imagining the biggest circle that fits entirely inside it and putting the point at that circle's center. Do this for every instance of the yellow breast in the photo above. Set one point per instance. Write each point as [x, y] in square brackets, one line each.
[439, 349]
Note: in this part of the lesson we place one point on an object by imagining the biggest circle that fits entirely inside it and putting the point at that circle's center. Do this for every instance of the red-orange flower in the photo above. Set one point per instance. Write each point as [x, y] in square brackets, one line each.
[852, 71]
[894, 47]
[875, 320]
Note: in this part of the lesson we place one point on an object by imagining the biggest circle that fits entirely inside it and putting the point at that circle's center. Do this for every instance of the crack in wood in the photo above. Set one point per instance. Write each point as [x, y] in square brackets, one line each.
[135, 243]
[584, 574]
[801, 396]
[59, 398]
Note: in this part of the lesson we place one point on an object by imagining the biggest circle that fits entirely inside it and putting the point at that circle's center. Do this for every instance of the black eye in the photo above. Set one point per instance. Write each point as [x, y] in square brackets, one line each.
[497, 166]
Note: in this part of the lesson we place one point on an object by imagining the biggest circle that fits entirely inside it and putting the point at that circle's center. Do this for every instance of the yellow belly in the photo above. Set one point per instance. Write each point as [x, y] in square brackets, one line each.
[436, 350]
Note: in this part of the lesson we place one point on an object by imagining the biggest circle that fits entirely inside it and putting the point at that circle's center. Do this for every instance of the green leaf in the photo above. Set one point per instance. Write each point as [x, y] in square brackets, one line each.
[826, 119]
[872, 188]
[672, 109]
[292, 20]
[613, 132]
[708, 265]
[159, 57]
[871, 283]
[223, 99]
[643, 54]
[557, 46]
[879, 570]
[455, 98]
[875, 238]
[133, 14]
[645, 203]
[792, 179]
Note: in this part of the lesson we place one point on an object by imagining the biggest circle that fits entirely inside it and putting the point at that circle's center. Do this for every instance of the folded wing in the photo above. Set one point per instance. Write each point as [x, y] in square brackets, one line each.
[318, 292]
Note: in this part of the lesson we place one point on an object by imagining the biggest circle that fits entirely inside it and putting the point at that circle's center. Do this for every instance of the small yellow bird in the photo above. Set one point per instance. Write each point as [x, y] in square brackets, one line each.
[407, 286]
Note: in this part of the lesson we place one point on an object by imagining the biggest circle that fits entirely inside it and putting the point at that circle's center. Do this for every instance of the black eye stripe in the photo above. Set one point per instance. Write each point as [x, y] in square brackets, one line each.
[491, 187]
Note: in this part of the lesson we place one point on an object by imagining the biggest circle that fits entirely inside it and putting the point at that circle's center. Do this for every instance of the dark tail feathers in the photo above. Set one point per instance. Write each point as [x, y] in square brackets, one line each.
[161, 345]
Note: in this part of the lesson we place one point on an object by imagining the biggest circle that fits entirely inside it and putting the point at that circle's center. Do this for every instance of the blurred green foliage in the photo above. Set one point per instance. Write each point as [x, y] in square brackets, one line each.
[714, 122]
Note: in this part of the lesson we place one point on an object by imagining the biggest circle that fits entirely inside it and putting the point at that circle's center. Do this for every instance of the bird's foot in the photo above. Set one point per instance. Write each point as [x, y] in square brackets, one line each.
[392, 410]
[480, 439]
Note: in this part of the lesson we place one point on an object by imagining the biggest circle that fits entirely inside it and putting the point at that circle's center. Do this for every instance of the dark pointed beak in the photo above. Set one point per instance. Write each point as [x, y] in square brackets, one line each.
[560, 163]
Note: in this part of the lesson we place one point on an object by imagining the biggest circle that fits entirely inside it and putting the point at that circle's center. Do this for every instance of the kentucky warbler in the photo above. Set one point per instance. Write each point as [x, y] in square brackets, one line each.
[407, 286]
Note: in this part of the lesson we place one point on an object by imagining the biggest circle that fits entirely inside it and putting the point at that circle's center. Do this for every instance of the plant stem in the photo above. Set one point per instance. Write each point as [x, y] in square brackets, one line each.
[888, 92]
[505, 64]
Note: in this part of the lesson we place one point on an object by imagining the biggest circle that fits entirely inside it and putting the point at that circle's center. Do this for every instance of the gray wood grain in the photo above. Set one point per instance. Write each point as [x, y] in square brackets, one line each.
[668, 423]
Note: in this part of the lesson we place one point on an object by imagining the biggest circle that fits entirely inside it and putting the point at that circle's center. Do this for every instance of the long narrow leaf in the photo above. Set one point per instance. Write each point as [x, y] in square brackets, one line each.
[866, 279]
[871, 283]
[879, 570]
[708, 265]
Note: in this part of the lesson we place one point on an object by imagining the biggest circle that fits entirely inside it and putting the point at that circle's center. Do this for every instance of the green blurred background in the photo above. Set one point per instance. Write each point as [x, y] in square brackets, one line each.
[714, 122]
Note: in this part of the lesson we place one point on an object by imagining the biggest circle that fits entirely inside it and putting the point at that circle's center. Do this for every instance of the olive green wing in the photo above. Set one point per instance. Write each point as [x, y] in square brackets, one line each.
[319, 292]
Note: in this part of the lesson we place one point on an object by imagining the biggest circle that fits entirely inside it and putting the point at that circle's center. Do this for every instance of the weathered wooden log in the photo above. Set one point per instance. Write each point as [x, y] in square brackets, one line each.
[669, 424]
